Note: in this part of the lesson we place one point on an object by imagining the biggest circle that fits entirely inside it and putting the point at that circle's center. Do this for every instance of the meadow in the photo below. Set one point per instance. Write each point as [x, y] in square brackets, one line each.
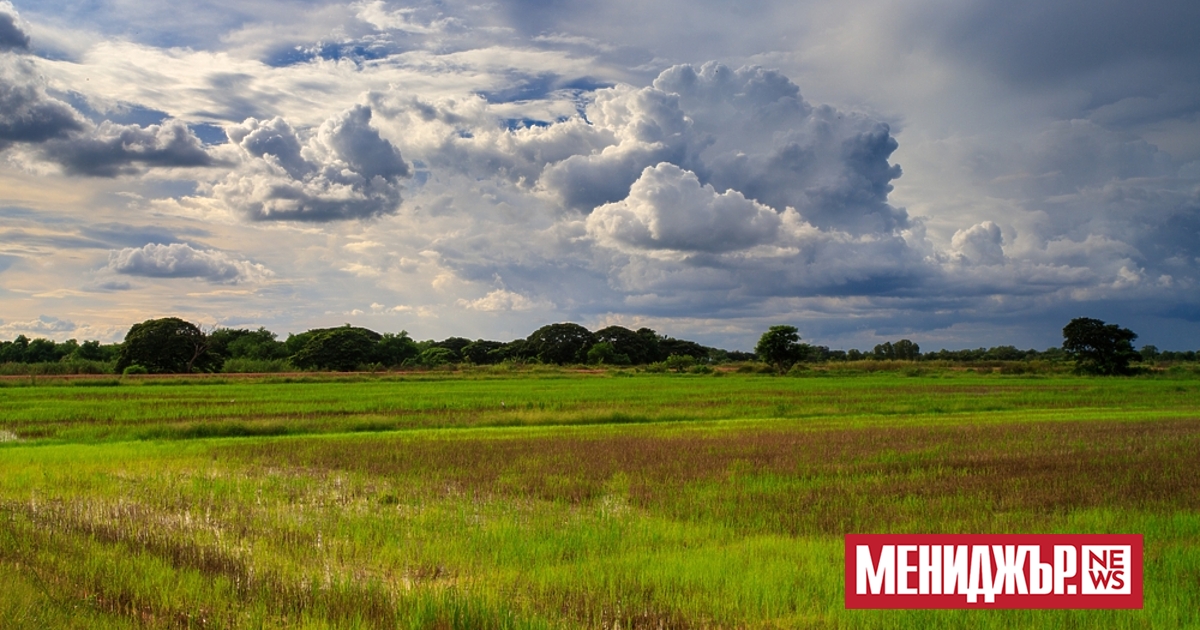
[563, 499]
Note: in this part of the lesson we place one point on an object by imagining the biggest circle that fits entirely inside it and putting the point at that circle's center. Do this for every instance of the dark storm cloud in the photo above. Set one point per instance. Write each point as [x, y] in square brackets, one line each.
[12, 36]
[27, 113]
[112, 149]
[61, 134]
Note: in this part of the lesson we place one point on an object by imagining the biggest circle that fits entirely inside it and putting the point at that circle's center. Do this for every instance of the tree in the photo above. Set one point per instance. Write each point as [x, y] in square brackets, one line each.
[906, 350]
[669, 346]
[561, 343]
[341, 349]
[640, 348]
[1099, 348]
[239, 343]
[167, 345]
[455, 345]
[603, 353]
[394, 349]
[483, 352]
[435, 356]
[780, 347]
[14, 351]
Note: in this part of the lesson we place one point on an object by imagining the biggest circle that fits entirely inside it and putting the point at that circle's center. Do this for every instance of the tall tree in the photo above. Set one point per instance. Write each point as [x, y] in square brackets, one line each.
[562, 343]
[340, 349]
[1099, 348]
[780, 347]
[640, 348]
[167, 345]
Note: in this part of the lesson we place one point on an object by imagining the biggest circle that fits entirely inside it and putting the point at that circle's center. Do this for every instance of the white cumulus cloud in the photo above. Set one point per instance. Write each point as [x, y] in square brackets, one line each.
[501, 300]
[667, 208]
[346, 170]
[180, 260]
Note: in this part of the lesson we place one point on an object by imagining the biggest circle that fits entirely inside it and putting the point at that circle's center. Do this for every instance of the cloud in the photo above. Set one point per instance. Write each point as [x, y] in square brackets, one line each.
[60, 134]
[639, 128]
[746, 130]
[980, 244]
[42, 326]
[668, 209]
[12, 34]
[1025, 41]
[112, 149]
[27, 113]
[345, 171]
[179, 260]
[502, 300]
[770, 144]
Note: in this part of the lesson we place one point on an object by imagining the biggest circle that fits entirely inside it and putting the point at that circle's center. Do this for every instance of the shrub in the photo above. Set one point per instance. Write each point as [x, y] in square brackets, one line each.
[256, 366]
[134, 369]
[680, 362]
[798, 369]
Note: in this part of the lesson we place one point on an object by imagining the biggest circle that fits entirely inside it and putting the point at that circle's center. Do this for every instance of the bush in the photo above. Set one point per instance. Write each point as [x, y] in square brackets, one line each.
[680, 362]
[134, 369]
[85, 366]
[257, 366]
[798, 369]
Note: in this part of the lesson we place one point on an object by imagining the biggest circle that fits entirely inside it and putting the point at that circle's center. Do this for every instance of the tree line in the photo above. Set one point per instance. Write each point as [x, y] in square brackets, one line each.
[173, 345]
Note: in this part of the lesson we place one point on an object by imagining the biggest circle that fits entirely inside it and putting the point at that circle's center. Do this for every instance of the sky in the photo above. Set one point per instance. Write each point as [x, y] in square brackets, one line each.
[961, 174]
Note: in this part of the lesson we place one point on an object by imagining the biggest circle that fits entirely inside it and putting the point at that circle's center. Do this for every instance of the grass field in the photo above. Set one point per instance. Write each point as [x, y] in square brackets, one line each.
[559, 500]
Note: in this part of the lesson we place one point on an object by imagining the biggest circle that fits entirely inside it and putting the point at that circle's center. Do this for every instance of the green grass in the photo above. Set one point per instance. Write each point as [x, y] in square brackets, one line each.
[584, 501]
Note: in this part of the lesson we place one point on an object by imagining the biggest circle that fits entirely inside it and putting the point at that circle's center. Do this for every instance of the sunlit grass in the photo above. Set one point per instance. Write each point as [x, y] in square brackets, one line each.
[649, 502]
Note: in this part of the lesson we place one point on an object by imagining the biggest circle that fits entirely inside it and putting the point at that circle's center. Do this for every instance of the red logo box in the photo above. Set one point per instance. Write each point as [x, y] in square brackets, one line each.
[993, 571]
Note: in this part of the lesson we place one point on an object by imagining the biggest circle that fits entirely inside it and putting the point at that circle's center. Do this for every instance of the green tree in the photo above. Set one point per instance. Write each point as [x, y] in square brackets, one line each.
[14, 351]
[42, 351]
[561, 343]
[436, 356]
[603, 353]
[340, 349]
[240, 343]
[638, 347]
[1099, 348]
[455, 345]
[167, 345]
[93, 351]
[483, 352]
[780, 347]
[906, 350]
[669, 346]
[394, 349]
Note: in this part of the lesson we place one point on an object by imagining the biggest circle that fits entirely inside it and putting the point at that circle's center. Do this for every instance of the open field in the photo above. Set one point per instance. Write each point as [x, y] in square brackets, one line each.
[568, 500]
